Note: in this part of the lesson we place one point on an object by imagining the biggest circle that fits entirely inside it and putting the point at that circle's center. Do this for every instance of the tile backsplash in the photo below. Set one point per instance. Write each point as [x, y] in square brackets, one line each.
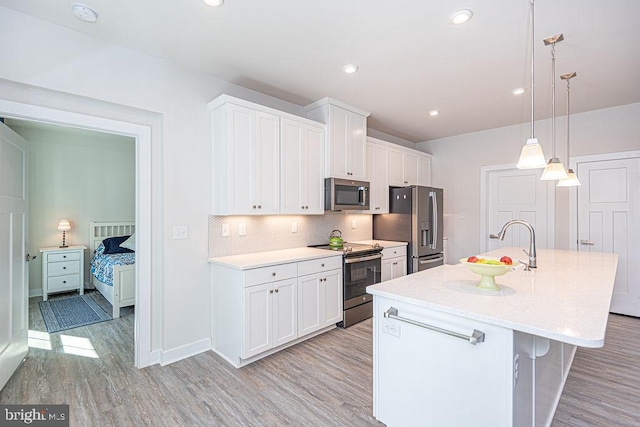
[273, 232]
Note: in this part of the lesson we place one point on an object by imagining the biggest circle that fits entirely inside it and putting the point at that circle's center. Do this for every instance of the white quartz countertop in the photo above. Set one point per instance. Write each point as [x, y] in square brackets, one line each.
[383, 243]
[264, 259]
[566, 298]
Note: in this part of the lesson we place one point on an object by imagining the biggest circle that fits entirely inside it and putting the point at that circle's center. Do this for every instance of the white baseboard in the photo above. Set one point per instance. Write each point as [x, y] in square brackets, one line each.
[184, 351]
[35, 293]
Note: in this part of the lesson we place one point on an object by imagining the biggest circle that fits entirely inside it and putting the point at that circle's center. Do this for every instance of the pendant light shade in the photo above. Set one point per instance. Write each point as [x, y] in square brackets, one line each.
[531, 156]
[572, 178]
[555, 169]
[570, 181]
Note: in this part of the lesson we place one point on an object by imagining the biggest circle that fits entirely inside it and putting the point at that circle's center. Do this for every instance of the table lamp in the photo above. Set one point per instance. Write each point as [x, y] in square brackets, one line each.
[64, 226]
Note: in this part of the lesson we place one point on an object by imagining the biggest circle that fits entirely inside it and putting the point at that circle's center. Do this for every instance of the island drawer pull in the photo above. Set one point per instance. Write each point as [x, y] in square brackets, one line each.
[586, 242]
[474, 338]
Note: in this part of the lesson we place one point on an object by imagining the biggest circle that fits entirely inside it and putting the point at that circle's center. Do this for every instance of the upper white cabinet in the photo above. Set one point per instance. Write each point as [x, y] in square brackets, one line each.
[409, 167]
[346, 147]
[265, 161]
[302, 167]
[378, 177]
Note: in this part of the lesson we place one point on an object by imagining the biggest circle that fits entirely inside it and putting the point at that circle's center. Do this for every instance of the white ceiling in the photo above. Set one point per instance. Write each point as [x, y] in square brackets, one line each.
[411, 58]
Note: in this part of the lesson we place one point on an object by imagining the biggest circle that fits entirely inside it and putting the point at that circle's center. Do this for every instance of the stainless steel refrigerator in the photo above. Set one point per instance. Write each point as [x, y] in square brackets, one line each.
[415, 216]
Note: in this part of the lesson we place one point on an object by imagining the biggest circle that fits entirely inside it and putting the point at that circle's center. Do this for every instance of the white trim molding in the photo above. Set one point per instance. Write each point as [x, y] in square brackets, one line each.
[26, 102]
[185, 351]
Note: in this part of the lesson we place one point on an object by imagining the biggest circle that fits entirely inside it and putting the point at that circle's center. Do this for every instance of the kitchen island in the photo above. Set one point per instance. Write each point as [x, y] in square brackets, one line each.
[496, 358]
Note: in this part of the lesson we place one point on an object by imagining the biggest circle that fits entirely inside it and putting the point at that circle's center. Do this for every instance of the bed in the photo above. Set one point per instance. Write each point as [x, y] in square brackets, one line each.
[115, 275]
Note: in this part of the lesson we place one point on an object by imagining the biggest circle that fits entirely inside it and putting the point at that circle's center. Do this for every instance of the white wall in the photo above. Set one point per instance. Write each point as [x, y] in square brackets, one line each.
[457, 161]
[77, 175]
[48, 56]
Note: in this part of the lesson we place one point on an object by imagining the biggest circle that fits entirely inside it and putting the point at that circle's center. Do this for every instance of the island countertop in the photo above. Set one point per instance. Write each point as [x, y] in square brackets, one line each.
[566, 298]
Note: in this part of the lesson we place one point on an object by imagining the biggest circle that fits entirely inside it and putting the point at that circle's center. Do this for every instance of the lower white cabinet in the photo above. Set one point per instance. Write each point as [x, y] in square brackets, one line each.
[319, 300]
[270, 316]
[258, 311]
[394, 262]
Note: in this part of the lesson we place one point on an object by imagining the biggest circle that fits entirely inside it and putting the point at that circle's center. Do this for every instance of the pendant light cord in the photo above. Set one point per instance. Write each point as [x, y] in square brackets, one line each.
[568, 127]
[532, 70]
[553, 98]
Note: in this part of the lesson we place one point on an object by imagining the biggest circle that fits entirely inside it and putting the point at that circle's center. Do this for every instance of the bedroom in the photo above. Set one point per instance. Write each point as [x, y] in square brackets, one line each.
[81, 176]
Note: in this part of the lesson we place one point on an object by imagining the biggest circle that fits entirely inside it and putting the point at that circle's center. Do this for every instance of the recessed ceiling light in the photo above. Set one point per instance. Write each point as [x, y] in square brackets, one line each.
[434, 112]
[350, 68]
[461, 16]
[519, 91]
[214, 3]
[84, 12]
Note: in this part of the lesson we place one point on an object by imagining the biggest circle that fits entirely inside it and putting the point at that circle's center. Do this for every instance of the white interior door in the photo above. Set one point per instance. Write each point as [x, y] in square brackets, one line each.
[517, 194]
[609, 221]
[14, 274]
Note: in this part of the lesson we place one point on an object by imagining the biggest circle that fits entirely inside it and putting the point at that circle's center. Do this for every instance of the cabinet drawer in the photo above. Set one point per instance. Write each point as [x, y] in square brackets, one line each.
[394, 252]
[63, 268]
[319, 265]
[273, 273]
[63, 282]
[71, 256]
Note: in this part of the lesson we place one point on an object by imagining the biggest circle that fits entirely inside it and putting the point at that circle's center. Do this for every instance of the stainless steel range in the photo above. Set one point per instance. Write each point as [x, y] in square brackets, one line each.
[361, 267]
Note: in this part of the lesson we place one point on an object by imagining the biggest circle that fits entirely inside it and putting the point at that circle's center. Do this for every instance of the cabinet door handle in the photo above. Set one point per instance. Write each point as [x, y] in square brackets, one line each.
[64, 281]
[64, 268]
[587, 242]
[259, 206]
[475, 338]
[273, 274]
[276, 291]
[64, 256]
[271, 291]
[321, 265]
[254, 206]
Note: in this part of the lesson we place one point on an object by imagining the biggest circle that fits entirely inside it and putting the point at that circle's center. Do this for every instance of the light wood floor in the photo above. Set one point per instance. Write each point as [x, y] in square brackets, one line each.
[325, 381]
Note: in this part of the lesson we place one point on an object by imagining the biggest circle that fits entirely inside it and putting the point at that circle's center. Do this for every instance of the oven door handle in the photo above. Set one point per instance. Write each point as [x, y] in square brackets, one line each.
[360, 259]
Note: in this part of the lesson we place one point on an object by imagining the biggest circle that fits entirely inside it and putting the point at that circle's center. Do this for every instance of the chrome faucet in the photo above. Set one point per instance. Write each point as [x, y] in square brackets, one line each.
[532, 240]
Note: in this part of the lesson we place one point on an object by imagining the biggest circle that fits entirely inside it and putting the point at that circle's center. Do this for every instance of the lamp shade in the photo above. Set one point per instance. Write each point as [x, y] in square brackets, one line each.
[570, 181]
[64, 225]
[554, 171]
[531, 156]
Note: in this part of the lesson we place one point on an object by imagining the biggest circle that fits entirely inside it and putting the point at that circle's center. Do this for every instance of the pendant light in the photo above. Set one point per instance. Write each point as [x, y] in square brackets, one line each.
[555, 169]
[531, 156]
[572, 178]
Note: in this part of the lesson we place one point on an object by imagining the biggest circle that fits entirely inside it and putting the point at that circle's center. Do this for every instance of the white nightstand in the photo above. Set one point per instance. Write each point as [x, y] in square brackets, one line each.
[62, 269]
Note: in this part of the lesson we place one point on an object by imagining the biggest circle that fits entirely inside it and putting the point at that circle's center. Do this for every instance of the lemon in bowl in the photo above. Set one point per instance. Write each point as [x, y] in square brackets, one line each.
[488, 268]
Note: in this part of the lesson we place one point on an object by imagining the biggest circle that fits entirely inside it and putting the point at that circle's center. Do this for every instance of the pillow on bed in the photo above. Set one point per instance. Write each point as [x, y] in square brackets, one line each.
[112, 245]
[130, 243]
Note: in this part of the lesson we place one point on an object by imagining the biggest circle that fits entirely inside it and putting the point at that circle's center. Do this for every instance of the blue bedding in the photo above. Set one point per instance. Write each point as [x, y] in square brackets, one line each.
[102, 265]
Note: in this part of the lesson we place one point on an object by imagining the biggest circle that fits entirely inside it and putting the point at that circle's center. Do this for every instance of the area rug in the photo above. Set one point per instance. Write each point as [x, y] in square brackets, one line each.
[64, 313]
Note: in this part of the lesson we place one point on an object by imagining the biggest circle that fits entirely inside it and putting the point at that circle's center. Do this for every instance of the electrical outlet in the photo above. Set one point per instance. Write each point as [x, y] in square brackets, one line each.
[294, 227]
[353, 223]
[225, 230]
[391, 327]
[180, 232]
[242, 229]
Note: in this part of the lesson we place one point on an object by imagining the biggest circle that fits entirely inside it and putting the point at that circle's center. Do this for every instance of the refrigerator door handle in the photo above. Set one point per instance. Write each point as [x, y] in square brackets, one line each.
[434, 216]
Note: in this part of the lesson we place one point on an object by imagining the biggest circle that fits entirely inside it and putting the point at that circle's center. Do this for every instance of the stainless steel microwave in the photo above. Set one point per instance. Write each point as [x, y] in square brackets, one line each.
[345, 195]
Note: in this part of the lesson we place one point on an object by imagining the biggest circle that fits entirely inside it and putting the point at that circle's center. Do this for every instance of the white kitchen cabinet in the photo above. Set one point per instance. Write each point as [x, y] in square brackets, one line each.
[270, 316]
[302, 167]
[258, 311]
[62, 269]
[378, 177]
[319, 294]
[394, 262]
[246, 161]
[346, 145]
[409, 167]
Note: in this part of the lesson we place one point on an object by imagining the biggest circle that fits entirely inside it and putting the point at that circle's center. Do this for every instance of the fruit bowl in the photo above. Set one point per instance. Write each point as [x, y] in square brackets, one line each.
[488, 272]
